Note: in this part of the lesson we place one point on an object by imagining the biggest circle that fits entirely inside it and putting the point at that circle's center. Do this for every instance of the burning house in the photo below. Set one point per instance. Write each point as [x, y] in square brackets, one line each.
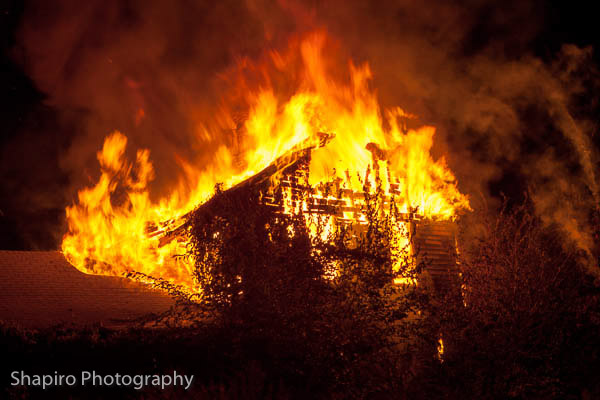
[255, 193]
[279, 148]
[285, 189]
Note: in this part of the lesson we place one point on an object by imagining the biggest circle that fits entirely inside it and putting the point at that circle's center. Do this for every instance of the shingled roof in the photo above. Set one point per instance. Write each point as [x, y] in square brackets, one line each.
[40, 289]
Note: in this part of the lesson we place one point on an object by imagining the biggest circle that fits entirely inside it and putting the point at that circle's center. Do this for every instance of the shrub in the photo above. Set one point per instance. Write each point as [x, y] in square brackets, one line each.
[270, 281]
[525, 325]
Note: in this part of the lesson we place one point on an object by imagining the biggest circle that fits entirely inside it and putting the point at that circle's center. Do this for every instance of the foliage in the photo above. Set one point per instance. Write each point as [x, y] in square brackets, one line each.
[272, 282]
[273, 322]
[527, 321]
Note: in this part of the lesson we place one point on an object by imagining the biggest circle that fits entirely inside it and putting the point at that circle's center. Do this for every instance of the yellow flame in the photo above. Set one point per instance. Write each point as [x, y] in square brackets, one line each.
[115, 225]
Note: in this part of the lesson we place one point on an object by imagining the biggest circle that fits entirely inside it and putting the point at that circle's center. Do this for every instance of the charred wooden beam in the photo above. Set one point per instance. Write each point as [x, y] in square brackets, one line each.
[377, 152]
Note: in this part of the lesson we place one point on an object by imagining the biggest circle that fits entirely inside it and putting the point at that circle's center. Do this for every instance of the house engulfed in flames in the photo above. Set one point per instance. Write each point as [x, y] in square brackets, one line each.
[279, 145]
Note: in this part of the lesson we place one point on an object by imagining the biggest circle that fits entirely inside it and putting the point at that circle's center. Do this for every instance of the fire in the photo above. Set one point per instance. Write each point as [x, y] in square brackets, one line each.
[104, 236]
[109, 223]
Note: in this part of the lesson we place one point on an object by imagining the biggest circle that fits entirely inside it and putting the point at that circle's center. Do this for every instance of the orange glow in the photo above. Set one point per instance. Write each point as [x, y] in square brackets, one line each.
[108, 225]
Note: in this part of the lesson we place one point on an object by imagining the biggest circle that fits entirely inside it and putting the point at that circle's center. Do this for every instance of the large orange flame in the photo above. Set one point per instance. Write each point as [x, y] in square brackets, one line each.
[108, 226]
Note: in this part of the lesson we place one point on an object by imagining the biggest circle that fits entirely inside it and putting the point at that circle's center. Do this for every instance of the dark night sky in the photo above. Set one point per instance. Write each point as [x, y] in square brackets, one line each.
[35, 184]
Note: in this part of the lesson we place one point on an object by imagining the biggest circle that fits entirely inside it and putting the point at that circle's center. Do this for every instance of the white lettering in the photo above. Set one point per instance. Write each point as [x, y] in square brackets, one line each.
[164, 380]
[94, 377]
[136, 381]
[71, 380]
[175, 377]
[47, 381]
[126, 381]
[16, 378]
[188, 383]
[85, 376]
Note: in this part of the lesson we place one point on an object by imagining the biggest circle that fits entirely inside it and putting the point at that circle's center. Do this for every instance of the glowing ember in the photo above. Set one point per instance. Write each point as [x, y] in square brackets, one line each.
[109, 224]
